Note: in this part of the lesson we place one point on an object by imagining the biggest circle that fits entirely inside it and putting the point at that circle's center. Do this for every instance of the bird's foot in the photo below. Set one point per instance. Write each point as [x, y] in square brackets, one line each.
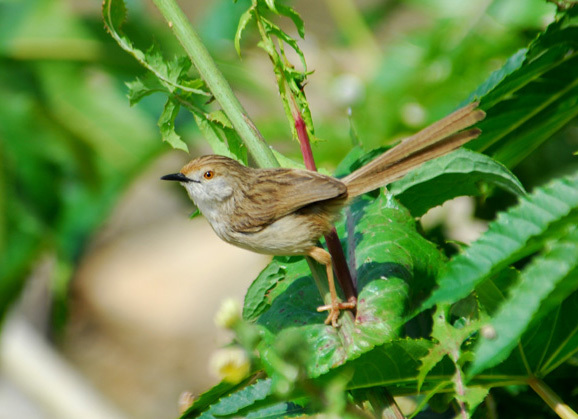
[335, 308]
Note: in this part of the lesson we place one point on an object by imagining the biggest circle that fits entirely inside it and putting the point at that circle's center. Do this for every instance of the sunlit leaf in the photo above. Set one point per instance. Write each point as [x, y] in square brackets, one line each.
[243, 21]
[533, 95]
[515, 234]
[223, 140]
[448, 343]
[389, 257]
[220, 118]
[456, 174]
[271, 5]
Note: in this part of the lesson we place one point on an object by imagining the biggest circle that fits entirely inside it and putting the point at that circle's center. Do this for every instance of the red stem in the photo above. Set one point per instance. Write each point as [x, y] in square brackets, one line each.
[304, 142]
[332, 239]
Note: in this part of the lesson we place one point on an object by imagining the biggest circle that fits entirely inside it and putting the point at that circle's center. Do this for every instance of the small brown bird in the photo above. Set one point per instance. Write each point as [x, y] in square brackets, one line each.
[286, 211]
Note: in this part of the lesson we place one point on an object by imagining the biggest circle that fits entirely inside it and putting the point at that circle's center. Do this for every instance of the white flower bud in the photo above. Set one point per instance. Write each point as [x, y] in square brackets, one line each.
[229, 314]
[230, 364]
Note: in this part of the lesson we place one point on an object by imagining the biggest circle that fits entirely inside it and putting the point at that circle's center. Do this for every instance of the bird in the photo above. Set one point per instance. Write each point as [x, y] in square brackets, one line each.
[285, 211]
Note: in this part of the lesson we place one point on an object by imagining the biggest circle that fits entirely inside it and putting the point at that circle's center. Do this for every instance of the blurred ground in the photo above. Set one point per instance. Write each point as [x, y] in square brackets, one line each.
[145, 296]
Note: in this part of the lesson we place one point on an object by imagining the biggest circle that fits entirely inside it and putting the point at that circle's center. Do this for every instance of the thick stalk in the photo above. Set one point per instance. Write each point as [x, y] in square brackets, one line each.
[383, 404]
[216, 83]
[553, 400]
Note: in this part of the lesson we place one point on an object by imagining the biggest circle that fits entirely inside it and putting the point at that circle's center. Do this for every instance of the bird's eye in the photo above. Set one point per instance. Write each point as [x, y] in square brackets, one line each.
[209, 174]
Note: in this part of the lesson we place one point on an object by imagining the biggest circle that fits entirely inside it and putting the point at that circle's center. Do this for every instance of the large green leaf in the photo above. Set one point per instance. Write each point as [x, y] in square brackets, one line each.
[230, 404]
[456, 174]
[210, 397]
[394, 365]
[546, 344]
[533, 95]
[550, 341]
[516, 233]
[557, 267]
[249, 400]
[390, 261]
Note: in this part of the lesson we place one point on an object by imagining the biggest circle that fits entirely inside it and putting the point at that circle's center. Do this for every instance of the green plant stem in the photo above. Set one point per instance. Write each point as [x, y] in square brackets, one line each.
[216, 83]
[383, 403]
[555, 403]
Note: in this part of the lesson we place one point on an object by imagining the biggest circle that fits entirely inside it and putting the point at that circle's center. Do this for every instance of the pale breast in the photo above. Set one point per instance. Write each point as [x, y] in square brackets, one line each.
[290, 235]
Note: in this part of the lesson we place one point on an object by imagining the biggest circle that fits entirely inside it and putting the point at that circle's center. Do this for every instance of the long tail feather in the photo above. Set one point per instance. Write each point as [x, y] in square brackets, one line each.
[433, 141]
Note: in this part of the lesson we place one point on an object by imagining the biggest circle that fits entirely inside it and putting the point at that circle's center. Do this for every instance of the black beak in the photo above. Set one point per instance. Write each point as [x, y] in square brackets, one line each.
[179, 177]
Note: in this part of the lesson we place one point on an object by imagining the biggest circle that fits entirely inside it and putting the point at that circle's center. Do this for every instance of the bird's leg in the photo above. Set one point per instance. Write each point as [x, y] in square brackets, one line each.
[336, 306]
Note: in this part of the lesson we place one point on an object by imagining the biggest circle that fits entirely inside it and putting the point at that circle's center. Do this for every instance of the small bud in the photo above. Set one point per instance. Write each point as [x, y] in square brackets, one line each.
[186, 400]
[229, 314]
[488, 332]
[230, 364]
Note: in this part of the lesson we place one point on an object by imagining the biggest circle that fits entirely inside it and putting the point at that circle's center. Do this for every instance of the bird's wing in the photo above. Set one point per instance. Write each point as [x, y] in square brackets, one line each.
[275, 193]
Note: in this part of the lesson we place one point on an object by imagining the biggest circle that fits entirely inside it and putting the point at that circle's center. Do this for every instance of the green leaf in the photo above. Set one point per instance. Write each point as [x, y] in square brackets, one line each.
[492, 292]
[243, 21]
[536, 282]
[170, 73]
[231, 404]
[449, 341]
[287, 162]
[275, 30]
[356, 158]
[553, 340]
[294, 16]
[277, 410]
[209, 397]
[473, 396]
[223, 140]
[390, 256]
[513, 63]
[114, 14]
[218, 402]
[456, 174]
[272, 282]
[533, 95]
[394, 365]
[271, 5]
[547, 344]
[220, 118]
[167, 125]
[142, 87]
[515, 234]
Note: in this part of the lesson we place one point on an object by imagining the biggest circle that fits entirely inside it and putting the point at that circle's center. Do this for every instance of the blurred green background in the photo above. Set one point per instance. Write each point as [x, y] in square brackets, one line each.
[71, 147]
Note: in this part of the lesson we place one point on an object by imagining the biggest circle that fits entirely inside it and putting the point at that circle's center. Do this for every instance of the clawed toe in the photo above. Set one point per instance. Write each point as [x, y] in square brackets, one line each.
[334, 310]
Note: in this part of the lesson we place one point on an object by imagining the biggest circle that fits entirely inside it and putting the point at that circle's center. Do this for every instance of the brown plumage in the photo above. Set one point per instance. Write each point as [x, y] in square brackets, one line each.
[286, 211]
